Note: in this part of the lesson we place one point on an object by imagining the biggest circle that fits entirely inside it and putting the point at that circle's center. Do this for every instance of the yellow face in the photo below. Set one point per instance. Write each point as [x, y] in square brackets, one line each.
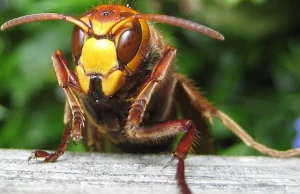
[114, 49]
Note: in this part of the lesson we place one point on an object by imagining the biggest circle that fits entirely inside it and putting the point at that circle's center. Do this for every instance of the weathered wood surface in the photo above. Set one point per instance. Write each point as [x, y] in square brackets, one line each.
[112, 173]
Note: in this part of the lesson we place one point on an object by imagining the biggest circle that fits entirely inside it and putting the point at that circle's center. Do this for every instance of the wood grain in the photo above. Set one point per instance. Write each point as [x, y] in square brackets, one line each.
[128, 174]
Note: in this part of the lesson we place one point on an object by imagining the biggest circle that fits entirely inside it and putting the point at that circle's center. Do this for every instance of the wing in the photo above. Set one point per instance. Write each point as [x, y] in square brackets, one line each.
[184, 94]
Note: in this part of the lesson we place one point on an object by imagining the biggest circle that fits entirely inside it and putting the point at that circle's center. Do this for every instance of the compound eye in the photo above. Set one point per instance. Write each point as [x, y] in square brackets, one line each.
[129, 43]
[77, 42]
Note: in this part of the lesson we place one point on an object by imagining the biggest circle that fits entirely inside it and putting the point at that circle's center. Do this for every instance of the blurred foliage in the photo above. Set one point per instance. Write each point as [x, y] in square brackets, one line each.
[254, 75]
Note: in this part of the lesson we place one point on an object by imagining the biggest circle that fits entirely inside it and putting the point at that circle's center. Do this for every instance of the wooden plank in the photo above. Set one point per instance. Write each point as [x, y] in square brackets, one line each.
[114, 173]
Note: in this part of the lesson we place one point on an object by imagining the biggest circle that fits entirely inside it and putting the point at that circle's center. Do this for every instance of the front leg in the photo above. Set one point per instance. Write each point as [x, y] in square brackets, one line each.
[73, 118]
[137, 132]
[70, 84]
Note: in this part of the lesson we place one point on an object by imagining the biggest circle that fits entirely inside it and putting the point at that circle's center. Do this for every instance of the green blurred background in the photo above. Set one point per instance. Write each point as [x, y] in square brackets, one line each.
[254, 75]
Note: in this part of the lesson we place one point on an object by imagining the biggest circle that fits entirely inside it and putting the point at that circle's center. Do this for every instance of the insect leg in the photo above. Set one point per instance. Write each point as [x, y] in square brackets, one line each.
[209, 111]
[73, 118]
[151, 132]
[65, 140]
[181, 177]
[69, 82]
[160, 131]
